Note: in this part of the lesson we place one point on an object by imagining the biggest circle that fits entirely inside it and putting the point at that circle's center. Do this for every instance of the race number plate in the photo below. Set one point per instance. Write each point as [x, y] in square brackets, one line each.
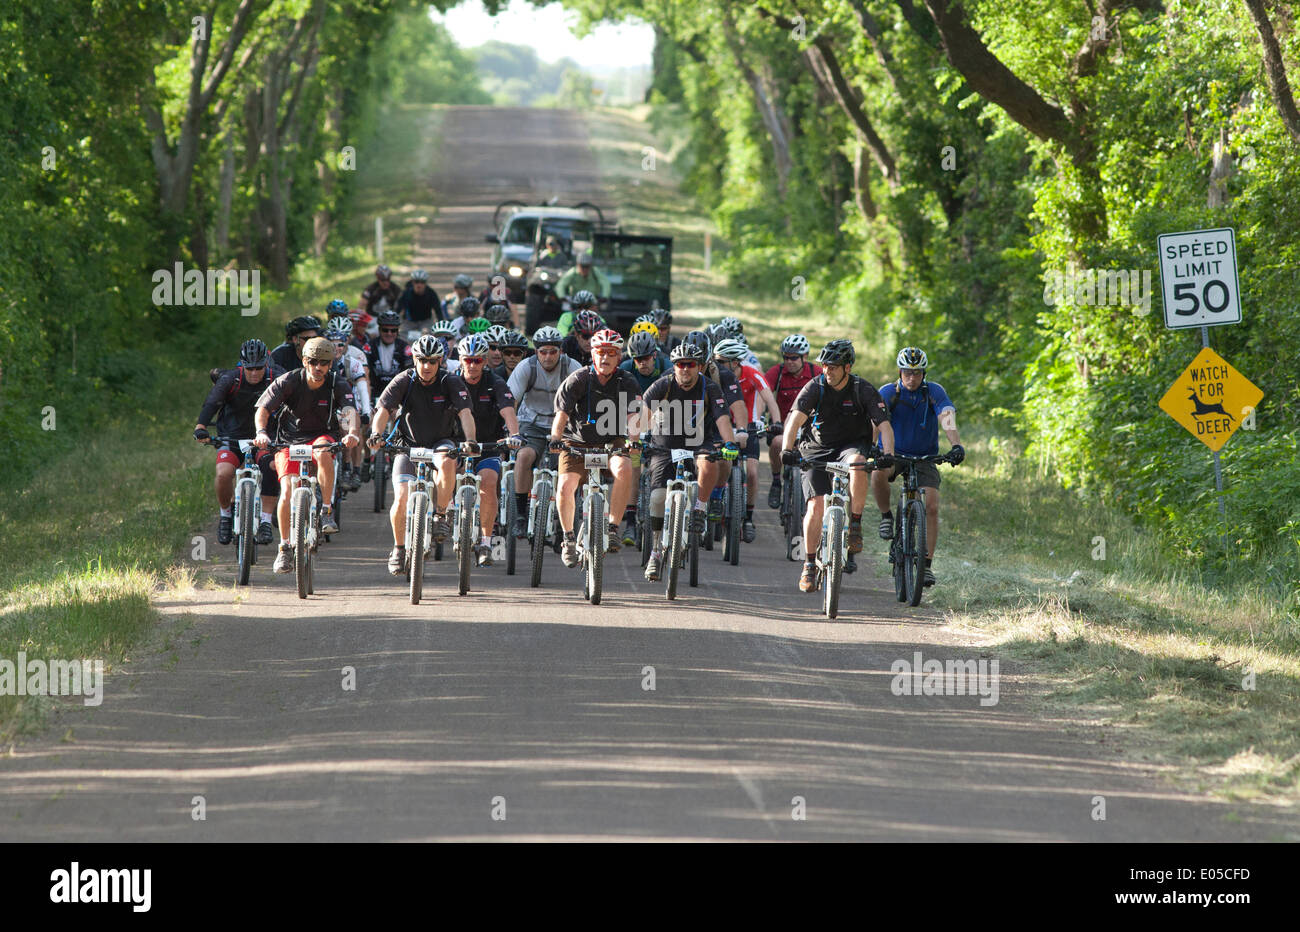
[300, 452]
[421, 454]
[679, 455]
[246, 447]
[595, 460]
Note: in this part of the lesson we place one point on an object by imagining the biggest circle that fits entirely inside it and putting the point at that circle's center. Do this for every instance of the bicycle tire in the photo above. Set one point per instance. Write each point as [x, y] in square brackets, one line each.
[298, 522]
[597, 541]
[795, 530]
[693, 551]
[377, 477]
[673, 556]
[247, 530]
[541, 508]
[916, 540]
[311, 554]
[465, 536]
[512, 516]
[419, 509]
[835, 535]
[736, 501]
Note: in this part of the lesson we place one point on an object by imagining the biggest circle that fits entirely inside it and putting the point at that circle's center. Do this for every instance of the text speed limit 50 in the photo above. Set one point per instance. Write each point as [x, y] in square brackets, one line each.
[1198, 278]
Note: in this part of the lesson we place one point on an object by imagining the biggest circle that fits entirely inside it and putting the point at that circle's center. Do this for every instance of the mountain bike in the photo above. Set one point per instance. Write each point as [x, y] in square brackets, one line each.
[380, 469]
[508, 508]
[248, 503]
[644, 534]
[593, 531]
[420, 499]
[908, 548]
[304, 509]
[736, 499]
[833, 548]
[792, 509]
[543, 522]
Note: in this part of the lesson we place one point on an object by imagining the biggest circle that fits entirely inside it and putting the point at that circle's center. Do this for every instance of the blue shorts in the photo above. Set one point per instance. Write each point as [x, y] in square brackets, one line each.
[490, 462]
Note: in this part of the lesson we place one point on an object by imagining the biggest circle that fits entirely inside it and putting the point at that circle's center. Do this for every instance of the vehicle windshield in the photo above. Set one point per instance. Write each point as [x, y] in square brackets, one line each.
[637, 265]
[574, 235]
[521, 231]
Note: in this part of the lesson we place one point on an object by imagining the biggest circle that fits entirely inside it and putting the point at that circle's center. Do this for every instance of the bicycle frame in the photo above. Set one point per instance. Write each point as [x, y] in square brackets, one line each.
[542, 475]
[685, 488]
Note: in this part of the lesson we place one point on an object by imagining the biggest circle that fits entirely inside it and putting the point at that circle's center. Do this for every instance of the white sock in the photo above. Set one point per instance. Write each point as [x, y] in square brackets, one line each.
[284, 542]
[225, 512]
[266, 517]
[701, 506]
[486, 541]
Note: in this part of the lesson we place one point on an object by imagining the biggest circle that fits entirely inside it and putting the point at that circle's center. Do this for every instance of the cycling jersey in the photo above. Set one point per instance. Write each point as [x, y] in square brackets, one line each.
[388, 359]
[684, 418]
[487, 398]
[286, 357]
[535, 388]
[751, 382]
[233, 400]
[429, 413]
[570, 347]
[381, 297]
[786, 387]
[308, 412]
[419, 308]
[663, 366]
[352, 366]
[837, 418]
[598, 413]
[914, 416]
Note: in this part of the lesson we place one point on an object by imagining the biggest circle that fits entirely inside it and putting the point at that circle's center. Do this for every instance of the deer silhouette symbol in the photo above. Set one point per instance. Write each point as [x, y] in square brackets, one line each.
[1203, 408]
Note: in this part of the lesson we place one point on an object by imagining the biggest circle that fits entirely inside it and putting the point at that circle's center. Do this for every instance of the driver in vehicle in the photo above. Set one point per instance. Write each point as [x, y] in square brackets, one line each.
[553, 257]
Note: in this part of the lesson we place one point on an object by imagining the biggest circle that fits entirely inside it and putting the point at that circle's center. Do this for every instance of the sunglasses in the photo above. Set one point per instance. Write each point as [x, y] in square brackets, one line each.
[388, 329]
[686, 364]
[471, 360]
[791, 358]
[547, 351]
[644, 358]
[316, 364]
[254, 368]
[426, 360]
[512, 352]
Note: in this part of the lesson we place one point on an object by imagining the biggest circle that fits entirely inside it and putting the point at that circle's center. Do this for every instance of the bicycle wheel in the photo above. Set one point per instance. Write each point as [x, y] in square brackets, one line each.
[377, 476]
[419, 509]
[835, 539]
[247, 528]
[541, 509]
[735, 514]
[673, 556]
[597, 541]
[465, 535]
[301, 514]
[512, 514]
[916, 551]
[693, 550]
[794, 530]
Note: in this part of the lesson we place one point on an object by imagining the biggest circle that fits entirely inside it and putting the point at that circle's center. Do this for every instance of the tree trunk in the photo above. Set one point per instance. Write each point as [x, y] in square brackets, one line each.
[1275, 70]
[226, 197]
[768, 108]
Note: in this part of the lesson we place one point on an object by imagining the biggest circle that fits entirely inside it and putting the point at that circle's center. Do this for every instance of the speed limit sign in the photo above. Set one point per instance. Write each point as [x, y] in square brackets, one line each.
[1198, 278]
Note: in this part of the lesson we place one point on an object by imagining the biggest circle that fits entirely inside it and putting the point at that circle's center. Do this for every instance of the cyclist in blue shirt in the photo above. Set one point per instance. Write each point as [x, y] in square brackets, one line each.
[917, 409]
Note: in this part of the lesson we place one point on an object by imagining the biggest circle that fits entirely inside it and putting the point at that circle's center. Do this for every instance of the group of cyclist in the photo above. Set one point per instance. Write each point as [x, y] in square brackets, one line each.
[468, 377]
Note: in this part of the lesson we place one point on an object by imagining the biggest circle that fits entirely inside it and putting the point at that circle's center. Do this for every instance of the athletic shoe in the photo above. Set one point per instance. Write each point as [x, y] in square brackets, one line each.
[354, 479]
[328, 525]
[521, 526]
[654, 566]
[440, 528]
[715, 509]
[808, 581]
[747, 531]
[887, 527]
[483, 552]
[397, 561]
[264, 533]
[569, 553]
[774, 495]
[283, 560]
[850, 565]
[855, 536]
[698, 520]
[629, 534]
[365, 470]
[225, 528]
[929, 579]
[614, 542]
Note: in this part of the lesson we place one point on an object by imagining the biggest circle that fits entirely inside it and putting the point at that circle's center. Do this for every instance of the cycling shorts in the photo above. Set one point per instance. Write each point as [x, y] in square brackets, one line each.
[286, 467]
[404, 469]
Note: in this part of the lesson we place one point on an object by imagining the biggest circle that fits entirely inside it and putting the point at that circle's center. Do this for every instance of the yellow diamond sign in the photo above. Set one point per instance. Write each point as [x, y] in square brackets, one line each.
[1210, 399]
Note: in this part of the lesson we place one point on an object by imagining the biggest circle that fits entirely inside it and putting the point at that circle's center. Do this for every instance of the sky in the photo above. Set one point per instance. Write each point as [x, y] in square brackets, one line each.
[547, 31]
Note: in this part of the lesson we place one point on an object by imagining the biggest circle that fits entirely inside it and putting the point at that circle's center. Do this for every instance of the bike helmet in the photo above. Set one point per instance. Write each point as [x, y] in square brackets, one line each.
[462, 281]
[837, 353]
[909, 357]
[515, 339]
[732, 325]
[319, 349]
[473, 345]
[718, 333]
[468, 307]
[497, 313]
[495, 334]
[419, 275]
[389, 319]
[660, 317]
[253, 353]
[339, 330]
[731, 350]
[606, 338]
[547, 336]
[702, 340]
[641, 343]
[428, 347]
[477, 325]
[688, 350]
[337, 308]
[587, 322]
[301, 325]
[584, 300]
[383, 271]
[796, 344]
[645, 326]
[444, 328]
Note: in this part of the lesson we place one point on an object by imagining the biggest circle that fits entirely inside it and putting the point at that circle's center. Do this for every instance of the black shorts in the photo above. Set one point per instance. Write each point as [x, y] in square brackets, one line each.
[817, 481]
[927, 475]
[662, 468]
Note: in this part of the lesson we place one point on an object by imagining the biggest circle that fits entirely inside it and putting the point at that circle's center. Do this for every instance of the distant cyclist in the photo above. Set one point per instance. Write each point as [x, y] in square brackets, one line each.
[917, 409]
[578, 344]
[787, 379]
[461, 288]
[841, 411]
[381, 294]
[391, 354]
[583, 277]
[232, 402]
[427, 404]
[419, 305]
[316, 402]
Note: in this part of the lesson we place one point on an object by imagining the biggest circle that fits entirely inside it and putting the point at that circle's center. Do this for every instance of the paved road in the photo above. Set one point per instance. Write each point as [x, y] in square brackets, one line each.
[530, 704]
